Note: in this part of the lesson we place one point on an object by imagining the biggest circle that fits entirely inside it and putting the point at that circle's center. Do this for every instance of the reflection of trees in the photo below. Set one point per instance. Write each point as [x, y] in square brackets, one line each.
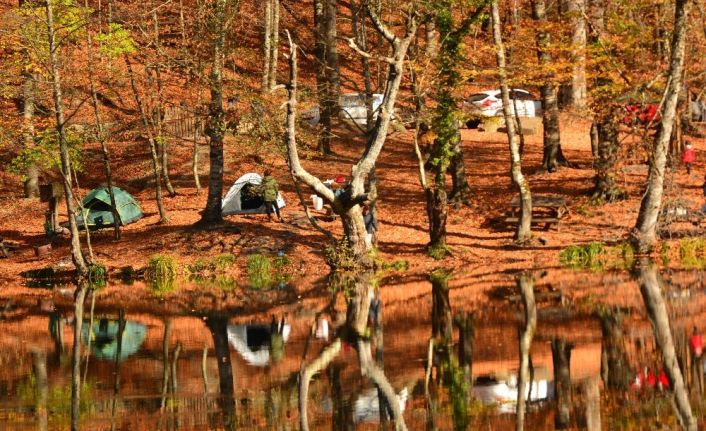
[526, 285]
[454, 371]
[116, 382]
[354, 330]
[218, 326]
[657, 312]
[561, 358]
[39, 369]
[615, 369]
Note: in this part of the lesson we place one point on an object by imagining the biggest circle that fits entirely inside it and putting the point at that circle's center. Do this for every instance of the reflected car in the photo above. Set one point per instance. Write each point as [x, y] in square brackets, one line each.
[353, 108]
[489, 103]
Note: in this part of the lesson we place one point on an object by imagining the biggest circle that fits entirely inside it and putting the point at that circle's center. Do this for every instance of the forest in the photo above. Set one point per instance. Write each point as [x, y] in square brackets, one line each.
[231, 152]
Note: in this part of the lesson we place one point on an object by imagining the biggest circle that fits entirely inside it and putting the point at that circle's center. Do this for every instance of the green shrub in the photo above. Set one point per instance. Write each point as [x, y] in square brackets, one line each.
[259, 270]
[692, 253]
[340, 255]
[161, 273]
[97, 275]
[223, 261]
[588, 256]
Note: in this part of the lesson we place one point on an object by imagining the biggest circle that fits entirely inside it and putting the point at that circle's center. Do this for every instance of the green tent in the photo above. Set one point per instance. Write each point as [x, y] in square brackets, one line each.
[97, 203]
[104, 338]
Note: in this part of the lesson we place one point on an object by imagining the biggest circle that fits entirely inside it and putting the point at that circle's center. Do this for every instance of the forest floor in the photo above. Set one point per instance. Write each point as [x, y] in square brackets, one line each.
[475, 239]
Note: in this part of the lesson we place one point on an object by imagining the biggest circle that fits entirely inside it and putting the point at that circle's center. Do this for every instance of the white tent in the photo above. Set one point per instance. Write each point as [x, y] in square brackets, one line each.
[237, 201]
[252, 342]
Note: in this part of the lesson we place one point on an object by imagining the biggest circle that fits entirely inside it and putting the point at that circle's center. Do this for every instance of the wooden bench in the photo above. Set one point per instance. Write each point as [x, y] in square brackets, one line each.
[547, 210]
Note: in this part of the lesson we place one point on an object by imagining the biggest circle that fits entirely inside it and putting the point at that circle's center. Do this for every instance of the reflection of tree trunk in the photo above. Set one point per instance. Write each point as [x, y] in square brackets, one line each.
[526, 285]
[219, 331]
[116, 382]
[305, 375]
[204, 370]
[76, 357]
[561, 357]
[57, 334]
[39, 369]
[592, 396]
[465, 342]
[615, 369]
[657, 312]
[165, 361]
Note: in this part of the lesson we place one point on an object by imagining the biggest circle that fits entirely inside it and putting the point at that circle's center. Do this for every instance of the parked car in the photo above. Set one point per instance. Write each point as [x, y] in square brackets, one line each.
[353, 108]
[489, 103]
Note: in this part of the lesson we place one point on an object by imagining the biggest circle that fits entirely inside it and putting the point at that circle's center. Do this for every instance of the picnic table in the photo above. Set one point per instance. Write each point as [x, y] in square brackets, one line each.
[546, 209]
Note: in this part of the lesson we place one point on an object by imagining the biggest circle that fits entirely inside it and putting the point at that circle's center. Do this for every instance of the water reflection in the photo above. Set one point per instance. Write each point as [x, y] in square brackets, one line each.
[436, 352]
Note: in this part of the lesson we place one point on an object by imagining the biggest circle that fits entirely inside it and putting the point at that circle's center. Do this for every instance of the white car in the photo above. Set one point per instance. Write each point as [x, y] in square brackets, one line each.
[353, 108]
[489, 103]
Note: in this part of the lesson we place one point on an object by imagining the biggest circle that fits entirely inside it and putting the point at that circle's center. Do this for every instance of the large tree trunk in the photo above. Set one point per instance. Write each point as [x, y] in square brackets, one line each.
[76, 253]
[605, 133]
[523, 232]
[657, 312]
[216, 127]
[576, 9]
[615, 369]
[550, 112]
[644, 235]
[526, 286]
[460, 190]
[327, 77]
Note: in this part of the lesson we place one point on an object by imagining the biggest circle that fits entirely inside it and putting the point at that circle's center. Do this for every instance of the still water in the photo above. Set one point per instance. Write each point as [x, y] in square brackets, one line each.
[422, 351]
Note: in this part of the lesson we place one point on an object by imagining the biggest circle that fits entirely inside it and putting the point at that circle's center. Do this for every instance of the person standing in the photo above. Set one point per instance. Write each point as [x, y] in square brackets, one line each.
[688, 156]
[270, 191]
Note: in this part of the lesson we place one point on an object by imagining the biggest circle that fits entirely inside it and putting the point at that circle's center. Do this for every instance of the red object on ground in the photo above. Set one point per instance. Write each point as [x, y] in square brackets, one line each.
[697, 344]
[651, 379]
[688, 156]
[663, 380]
[339, 179]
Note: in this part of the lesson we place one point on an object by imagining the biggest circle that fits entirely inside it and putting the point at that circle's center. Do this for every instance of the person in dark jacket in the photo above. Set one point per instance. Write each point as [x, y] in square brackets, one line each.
[270, 190]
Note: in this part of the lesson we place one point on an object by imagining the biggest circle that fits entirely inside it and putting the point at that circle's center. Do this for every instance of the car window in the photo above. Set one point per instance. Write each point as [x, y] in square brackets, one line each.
[476, 97]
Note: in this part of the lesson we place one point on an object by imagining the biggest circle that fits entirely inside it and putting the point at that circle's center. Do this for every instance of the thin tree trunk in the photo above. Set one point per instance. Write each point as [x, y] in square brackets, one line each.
[592, 395]
[165, 362]
[161, 138]
[322, 82]
[644, 235]
[102, 138]
[76, 253]
[657, 312]
[523, 232]
[216, 127]
[31, 184]
[267, 46]
[332, 63]
[526, 286]
[274, 45]
[561, 358]
[156, 167]
[460, 190]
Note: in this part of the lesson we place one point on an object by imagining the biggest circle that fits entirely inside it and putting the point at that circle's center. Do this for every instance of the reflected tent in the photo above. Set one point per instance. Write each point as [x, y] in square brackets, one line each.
[253, 342]
[104, 338]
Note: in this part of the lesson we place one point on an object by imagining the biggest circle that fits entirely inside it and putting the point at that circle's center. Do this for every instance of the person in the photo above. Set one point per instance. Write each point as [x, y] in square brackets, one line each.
[696, 343]
[688, 157]
[270, 190]
[370, 223]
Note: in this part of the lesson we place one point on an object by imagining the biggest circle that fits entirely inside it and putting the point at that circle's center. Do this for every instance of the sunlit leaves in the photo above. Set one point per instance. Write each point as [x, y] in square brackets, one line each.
[116, 41]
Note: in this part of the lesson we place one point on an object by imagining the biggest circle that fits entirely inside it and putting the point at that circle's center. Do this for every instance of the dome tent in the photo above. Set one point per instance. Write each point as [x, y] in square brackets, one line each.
[100, 214]
[242, 197]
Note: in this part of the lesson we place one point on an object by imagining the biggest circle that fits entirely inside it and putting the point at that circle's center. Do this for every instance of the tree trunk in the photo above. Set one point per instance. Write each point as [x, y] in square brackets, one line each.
[550, 104]
[606, 131]
[162, 142]
[274, 44]
[432, 38]
[460, 190]
[216, 127]
[561, 357]
[523, 232]
[76, 253]
[101, 132]
[644, 235]
[267, 46]
[577, 10]
[526, 286]
[327, 76]
[39, 371]
[657, 312]
[156, 167]
[31, 184]
[591, 391]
